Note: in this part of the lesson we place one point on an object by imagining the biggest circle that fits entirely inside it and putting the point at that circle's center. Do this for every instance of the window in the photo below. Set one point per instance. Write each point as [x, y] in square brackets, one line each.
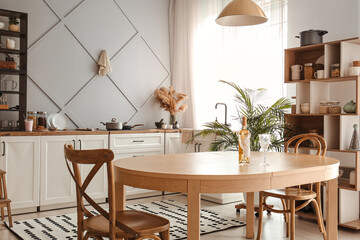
[250, 56]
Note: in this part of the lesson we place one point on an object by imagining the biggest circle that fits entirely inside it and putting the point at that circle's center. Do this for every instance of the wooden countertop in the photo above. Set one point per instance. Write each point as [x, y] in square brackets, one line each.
[77, 132]
[146, 131]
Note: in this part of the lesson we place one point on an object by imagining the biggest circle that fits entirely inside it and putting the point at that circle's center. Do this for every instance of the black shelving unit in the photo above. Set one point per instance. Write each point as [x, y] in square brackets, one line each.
[22, 70]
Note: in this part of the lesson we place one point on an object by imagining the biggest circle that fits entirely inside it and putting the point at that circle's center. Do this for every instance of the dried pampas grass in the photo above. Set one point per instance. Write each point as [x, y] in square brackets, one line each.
[169, 99]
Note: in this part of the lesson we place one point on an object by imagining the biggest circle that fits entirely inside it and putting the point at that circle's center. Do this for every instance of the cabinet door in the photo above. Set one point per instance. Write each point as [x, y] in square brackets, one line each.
[20, 159]
[98, 185]
[200, 144]
[56, 186]
[173, 143]
[132, 192]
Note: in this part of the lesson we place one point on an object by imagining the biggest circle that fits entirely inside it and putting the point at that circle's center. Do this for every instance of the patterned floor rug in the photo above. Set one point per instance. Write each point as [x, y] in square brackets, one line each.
[64, 226]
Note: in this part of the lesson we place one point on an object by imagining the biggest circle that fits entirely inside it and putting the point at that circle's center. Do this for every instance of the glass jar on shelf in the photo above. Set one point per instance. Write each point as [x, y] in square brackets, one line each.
[334, 107]
[41, 119]
[324, 107]
[335, 70]
[32, 115]
[309, 69]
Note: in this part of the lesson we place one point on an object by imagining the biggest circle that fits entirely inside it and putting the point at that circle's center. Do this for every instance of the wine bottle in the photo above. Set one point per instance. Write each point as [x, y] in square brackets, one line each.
[244, 143]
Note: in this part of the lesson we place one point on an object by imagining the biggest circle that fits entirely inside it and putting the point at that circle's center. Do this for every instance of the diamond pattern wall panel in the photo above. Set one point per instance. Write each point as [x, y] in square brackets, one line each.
[66, 38]
[100, 25]
[38, 100]
[60, 65]
[63, 7]
[100, 100]
[137, 71]
[41, 18]
[151, 112]
[153, 20]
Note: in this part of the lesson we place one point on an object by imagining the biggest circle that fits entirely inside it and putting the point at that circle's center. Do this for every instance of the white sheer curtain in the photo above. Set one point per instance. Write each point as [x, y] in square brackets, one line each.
[203, 52]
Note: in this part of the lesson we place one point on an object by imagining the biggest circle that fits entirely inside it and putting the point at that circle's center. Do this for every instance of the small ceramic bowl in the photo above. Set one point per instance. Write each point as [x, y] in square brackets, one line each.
[305, 107]
[2, 25]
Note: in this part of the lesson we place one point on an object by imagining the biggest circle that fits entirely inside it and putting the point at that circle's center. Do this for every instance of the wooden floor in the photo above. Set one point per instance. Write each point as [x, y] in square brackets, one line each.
[273, 227]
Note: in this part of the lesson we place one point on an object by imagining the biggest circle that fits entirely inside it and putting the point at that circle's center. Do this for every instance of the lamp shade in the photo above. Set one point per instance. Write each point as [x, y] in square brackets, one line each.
[241, 13]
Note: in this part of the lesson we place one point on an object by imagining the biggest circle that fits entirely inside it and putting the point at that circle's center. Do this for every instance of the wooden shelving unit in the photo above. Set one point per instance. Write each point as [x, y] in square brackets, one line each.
[337, 129]
[349, 78]
[21, 72]
[352, 224]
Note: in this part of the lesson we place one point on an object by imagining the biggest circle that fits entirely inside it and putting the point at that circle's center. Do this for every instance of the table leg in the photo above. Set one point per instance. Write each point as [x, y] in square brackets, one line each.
[332, 209]
[120, 196]
[193, 210]
[250, 218]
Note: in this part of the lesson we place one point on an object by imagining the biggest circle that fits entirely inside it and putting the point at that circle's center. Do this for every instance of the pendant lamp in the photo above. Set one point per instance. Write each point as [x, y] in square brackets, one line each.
[241, 13]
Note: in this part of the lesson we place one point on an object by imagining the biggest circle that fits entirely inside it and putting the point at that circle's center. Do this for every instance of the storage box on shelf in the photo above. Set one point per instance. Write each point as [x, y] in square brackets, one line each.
[18, 95]
[336, 128]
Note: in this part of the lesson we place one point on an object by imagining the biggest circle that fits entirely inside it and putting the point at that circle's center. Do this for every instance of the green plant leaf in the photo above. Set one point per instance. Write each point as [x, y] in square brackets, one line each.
[260, 119]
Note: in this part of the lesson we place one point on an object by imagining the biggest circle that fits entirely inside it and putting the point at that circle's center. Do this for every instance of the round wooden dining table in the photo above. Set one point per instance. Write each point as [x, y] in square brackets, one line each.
[220, 172]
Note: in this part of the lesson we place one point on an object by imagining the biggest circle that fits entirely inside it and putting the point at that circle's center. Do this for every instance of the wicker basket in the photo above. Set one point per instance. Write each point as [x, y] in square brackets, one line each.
[8, 65]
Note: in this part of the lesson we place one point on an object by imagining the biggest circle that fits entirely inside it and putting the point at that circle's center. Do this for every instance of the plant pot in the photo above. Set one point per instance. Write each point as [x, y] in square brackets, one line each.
[14, 28]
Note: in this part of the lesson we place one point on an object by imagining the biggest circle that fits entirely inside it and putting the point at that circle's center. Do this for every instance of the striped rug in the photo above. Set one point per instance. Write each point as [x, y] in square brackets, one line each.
[64, 226]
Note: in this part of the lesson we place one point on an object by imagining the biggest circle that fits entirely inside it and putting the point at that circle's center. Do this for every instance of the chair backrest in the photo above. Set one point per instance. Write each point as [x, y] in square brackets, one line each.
[321, 147]
[98, 158]
[319, 140]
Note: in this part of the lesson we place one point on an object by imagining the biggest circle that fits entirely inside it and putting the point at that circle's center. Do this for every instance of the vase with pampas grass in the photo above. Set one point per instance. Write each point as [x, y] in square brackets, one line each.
[169, 100]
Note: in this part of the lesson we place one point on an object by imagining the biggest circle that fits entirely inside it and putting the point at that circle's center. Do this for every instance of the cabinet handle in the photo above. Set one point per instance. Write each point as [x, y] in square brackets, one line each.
[199, 147]
[80, 144]
[74, 144]
[138, 155]
[138, 141]
[3, 153]
[195, 147]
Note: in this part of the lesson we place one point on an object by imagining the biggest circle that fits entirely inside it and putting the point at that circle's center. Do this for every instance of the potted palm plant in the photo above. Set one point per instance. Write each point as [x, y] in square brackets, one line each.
[14, 24]
[260, 119]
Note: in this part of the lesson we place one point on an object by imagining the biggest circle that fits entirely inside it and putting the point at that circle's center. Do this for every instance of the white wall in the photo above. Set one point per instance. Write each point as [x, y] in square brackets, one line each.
[339, 17]
[65, 41]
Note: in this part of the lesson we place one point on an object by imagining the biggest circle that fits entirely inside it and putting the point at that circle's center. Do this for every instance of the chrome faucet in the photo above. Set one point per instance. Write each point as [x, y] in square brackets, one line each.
[227, 124]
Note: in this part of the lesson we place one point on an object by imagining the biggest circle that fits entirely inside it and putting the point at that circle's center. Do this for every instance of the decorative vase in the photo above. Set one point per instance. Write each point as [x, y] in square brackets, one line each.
[354, 143]
[350, 107]
[14, 27]
[10, 43]
[172, 119]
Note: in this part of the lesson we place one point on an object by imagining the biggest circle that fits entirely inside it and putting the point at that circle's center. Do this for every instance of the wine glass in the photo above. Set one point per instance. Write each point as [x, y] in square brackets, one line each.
[265, 140]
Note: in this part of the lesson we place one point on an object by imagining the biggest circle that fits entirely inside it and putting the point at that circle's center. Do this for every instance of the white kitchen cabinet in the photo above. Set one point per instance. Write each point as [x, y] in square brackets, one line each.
[137, 145]
[20, 158]
[57, 186]
[137, 141]
[173, 143]
[97, 188]
[200, 144]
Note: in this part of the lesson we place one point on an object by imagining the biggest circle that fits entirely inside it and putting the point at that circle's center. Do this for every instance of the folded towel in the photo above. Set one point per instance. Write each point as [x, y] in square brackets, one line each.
[104, 64]
[187, 134]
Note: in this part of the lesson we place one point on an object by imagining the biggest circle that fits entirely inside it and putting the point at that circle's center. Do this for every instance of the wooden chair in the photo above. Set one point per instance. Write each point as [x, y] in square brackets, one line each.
[4, 201]
[294, 194]
[128, 224]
